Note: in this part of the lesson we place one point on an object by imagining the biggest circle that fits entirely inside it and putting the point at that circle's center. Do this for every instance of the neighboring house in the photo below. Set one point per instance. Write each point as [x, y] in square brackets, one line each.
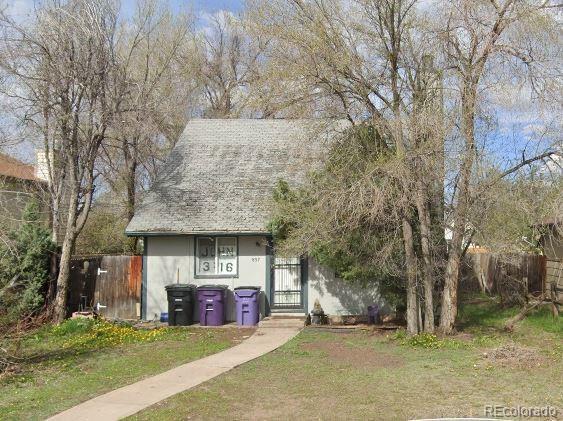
[204, 219]
[19, 184]
[551, 242]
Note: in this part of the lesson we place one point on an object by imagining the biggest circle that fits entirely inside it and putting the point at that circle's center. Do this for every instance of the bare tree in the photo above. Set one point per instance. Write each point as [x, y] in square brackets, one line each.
[229, 61]
[352, 59]
[364, 60]
[479, 38]
[150, 96]
[62, 66]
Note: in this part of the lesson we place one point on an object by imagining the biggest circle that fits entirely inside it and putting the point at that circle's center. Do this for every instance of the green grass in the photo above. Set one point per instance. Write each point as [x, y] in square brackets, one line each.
[542, 320]
[326, 375]
[487, 314]
[78, 360]
[485, 321]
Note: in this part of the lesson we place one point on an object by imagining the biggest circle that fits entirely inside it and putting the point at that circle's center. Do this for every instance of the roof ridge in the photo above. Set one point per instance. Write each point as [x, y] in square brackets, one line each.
[312, 119]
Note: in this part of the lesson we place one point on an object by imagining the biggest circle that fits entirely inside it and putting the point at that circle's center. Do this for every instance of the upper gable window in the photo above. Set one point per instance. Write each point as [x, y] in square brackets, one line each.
[216, 256]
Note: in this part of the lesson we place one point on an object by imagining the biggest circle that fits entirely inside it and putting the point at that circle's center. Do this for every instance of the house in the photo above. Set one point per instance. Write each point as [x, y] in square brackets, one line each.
[204, 219]
[19, 184]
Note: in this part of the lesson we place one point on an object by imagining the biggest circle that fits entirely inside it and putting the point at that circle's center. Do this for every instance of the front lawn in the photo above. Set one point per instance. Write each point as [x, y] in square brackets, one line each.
[68, 364]
[367, 375]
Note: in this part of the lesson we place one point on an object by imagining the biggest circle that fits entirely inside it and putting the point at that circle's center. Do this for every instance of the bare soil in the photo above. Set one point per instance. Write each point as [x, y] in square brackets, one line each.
[236, 335]
[358, 357]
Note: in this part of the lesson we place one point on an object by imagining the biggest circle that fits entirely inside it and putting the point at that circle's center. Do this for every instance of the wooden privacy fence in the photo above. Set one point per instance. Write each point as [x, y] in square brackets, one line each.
[505, 274]
[110, 283]
[554, 279]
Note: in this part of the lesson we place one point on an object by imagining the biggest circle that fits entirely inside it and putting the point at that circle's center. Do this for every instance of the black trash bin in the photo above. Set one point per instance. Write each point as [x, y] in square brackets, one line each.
[180, 304]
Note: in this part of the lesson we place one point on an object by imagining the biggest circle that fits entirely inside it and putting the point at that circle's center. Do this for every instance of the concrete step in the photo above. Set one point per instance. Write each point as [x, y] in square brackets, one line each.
[300, 316]
[279, 322]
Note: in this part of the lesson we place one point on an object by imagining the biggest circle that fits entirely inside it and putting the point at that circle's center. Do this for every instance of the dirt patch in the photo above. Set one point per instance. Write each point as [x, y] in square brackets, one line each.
[236, 335]
[356, 357]
[512, 355]
[462, 336]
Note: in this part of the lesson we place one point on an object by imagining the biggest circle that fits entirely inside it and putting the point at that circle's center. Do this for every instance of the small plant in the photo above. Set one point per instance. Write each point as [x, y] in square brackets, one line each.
[85, 334]
[399, 335]
[73, 326]
[425, 340]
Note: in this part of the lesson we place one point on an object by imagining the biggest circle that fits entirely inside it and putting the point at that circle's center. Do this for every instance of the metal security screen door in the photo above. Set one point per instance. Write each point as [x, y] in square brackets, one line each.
[287, 291]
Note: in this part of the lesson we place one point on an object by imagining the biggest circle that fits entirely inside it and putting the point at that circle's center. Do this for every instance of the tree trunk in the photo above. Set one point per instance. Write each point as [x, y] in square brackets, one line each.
[427, 269]
[131, 190]
[412, 302]
[61, 297]
[449, 297]
[53, 273]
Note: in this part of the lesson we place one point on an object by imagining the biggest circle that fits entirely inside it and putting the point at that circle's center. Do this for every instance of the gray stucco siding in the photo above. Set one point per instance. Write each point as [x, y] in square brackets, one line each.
[337, 297]
[171, 258]
[167, 262]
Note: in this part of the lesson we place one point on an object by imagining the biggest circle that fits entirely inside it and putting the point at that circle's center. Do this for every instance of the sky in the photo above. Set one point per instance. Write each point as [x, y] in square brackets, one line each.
[198, 6]
[22, 7]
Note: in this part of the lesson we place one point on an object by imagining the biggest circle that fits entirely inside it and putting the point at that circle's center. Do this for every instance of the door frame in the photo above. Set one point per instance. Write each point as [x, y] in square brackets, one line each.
[270, 283]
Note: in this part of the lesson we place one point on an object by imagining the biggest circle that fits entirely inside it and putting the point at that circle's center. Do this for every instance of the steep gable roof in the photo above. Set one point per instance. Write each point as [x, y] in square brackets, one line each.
[220, 176]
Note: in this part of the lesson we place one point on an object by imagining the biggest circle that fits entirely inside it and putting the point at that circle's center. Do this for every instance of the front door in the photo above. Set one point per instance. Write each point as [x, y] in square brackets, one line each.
[287, 284]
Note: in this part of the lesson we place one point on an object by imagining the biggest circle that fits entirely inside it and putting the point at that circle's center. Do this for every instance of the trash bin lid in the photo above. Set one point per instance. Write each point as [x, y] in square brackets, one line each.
[251, 288]
[213, 287]
[179, 286]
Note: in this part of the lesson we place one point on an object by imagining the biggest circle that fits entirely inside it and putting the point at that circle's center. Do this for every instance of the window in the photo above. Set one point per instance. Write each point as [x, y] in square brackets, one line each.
[216, 256]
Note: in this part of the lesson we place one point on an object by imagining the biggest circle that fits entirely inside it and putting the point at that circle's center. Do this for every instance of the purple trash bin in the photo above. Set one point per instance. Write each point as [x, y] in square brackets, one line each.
[373, 314]
[212, 302]
[248, 305]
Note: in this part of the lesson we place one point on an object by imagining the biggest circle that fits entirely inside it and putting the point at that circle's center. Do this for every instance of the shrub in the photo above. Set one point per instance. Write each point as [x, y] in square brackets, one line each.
[104, 233]
[24, 267]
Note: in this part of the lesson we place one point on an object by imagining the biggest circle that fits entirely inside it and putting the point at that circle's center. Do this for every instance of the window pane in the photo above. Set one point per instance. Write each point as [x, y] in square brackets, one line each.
[227, 255]
[205, 256]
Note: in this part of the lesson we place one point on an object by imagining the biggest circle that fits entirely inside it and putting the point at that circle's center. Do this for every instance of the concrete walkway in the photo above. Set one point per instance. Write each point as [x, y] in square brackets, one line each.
[128, 400]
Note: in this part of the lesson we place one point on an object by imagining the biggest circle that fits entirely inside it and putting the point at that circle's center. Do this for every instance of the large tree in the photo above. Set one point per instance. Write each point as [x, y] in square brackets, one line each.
[226, 64]
[357, 60]
[62, 64]
[151, 96]
[481, 41]
[422, 85]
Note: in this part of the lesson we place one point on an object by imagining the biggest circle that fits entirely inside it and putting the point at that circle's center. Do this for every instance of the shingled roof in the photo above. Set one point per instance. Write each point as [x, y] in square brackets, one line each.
[220, 176]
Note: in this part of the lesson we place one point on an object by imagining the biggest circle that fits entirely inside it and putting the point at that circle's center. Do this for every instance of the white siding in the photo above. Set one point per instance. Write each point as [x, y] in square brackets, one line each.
[337, 297]
[167, 255]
